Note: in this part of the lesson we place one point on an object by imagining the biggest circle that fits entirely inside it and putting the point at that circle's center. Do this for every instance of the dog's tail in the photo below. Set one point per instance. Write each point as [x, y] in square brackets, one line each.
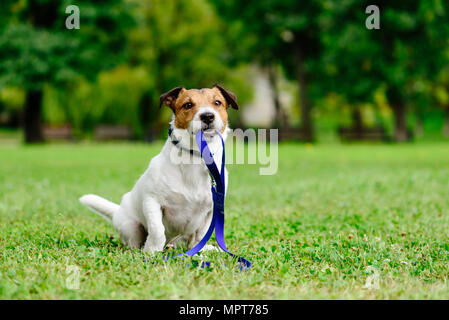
[99, 205]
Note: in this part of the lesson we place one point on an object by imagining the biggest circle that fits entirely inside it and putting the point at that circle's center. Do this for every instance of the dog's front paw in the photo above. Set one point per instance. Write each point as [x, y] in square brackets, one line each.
[152, 248]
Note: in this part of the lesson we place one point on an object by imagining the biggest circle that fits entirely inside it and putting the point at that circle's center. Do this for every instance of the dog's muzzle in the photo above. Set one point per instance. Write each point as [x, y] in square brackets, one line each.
[207, 117]
[207, 120]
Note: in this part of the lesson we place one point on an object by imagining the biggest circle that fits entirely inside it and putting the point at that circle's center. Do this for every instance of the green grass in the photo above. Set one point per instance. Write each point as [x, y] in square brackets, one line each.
[312, 231]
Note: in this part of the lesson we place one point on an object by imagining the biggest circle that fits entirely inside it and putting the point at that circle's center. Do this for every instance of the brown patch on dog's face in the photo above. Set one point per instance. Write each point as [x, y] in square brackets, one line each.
[189, 102]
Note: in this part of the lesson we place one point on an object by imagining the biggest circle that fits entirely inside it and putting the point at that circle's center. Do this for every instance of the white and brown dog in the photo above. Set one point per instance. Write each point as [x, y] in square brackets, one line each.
[172, 200]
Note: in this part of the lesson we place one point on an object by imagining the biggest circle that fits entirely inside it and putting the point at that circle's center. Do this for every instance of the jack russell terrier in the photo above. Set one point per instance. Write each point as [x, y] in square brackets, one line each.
[172, 200]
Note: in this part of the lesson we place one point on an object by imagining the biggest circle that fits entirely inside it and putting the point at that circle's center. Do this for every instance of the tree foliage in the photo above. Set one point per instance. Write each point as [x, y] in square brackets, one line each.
[282, 33]
[36, 48]
[403, 56]
[179, 42]
[149, 47]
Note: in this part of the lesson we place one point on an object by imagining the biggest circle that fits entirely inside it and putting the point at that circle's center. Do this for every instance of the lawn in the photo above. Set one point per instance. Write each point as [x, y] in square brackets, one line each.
[349, 222]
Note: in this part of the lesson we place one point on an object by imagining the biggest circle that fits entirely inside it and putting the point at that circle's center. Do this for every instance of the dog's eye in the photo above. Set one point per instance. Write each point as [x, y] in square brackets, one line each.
[187, 105]
[217, 102]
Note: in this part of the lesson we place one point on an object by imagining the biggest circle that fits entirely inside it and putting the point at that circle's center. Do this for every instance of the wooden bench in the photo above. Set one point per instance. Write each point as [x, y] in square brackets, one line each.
[363, 134]
[296, 134]
[61, 132]
[112, 132]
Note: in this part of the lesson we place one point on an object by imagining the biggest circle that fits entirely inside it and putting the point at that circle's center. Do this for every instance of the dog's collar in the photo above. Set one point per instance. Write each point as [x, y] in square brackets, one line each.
[177, 144]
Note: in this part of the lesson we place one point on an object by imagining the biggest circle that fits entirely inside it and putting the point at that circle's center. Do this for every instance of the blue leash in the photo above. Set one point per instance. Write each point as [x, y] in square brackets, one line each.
[218, 197]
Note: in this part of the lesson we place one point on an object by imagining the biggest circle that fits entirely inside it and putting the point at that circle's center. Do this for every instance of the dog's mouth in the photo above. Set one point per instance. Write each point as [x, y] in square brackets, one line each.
[208, 128]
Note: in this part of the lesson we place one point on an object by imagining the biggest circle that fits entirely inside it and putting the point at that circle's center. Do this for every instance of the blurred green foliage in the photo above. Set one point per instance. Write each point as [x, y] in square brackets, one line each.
[325, 46]
[179, 42]
[37, 49]
[128, 52]
[403, 58]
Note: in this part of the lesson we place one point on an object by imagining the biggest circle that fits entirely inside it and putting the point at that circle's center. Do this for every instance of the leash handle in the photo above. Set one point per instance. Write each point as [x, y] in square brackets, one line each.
[218, 196]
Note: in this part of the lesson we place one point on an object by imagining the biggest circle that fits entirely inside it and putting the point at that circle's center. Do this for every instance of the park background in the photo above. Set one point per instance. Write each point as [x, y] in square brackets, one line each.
[358, 208]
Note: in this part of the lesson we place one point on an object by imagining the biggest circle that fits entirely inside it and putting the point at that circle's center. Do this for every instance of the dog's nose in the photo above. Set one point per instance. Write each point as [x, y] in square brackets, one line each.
[207, 117]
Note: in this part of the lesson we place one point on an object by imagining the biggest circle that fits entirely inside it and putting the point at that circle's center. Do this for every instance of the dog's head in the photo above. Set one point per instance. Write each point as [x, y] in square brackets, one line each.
[200, 109]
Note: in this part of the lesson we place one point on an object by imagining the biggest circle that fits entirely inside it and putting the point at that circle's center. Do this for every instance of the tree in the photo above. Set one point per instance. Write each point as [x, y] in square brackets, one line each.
[413, 40]
[441, 95]
[274, 32]
[407, 50]
[348, 65]
[178, 42]
[36, 48]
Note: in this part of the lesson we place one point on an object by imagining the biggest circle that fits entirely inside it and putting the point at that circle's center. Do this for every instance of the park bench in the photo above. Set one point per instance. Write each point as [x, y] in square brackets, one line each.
[60, 132]
[296, 134]
[112, 132]
[363, 134]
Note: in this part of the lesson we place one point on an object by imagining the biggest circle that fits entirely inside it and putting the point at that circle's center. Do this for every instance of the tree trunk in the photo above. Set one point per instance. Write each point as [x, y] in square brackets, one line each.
[396, 100]
[418, 126]
[33, 116]
[400, 120]
[145, 118]
[357, 122]
[150, 117]
[446, 123]
[306, 108]
[280, 120]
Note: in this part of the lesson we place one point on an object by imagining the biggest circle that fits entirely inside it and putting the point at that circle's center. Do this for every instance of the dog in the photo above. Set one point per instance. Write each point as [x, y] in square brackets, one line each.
[171, 203]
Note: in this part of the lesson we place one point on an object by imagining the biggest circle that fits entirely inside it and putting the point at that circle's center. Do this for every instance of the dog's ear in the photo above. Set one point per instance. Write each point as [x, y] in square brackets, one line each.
[170, 97]
[230, 97]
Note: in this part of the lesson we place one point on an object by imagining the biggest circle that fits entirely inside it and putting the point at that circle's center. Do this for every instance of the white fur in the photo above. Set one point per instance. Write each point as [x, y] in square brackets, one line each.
[172, 200]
